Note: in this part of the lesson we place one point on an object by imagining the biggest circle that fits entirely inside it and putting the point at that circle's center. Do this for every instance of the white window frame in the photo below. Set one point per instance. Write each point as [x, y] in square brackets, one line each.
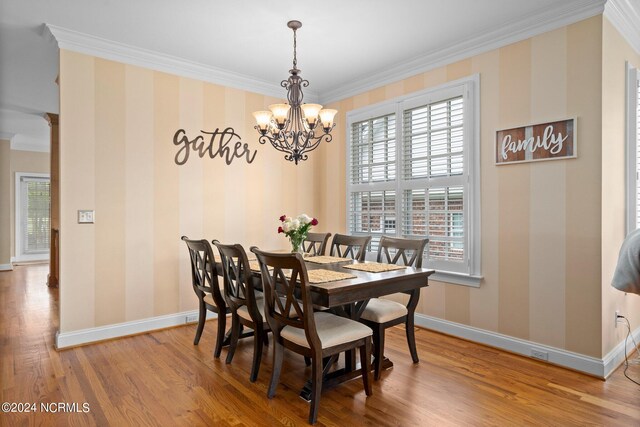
[632, 82]
[469, 88]
[20, 257]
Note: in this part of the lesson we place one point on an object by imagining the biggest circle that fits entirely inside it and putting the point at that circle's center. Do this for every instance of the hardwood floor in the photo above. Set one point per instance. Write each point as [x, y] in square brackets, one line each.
[161, 378]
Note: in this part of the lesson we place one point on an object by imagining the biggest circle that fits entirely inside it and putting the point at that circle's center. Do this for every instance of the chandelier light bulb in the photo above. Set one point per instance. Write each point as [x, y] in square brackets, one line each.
[280, 112]
[263, 119]
[311, 113]
[326, 117]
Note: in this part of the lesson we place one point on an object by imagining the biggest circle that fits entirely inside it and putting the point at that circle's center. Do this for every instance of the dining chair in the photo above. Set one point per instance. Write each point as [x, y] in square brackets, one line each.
[204, 279]
[298, 328]
[246, 304]
[315, 243]
[354, 247]
[380, 314]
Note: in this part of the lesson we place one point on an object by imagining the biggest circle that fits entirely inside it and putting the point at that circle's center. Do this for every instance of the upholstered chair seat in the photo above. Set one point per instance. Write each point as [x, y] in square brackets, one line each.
[208, 297]
[244, 311]
[332, 330]
[383, 310]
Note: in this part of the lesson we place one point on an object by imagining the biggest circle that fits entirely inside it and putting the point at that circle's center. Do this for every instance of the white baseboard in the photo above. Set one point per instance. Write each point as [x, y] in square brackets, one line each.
[101, 333]
[601, 368]
[31, 258]
[615, 357]
[6, 267]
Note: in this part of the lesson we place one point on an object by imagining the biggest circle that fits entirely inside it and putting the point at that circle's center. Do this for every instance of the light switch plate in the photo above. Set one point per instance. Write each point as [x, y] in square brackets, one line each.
[86, 216]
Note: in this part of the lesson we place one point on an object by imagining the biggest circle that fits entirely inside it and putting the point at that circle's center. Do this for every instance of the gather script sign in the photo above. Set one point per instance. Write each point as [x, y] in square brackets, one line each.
[225, 144]
[544, 141]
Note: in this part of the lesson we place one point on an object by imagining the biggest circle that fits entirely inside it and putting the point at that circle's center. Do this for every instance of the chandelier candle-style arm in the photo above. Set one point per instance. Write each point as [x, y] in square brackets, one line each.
[291, 128]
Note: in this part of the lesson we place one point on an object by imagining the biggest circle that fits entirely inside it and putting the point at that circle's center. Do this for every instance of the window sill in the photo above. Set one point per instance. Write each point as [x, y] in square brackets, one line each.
[456, 278]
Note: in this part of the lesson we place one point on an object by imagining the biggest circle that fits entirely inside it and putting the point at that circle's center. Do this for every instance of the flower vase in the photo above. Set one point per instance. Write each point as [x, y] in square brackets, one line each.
[296, 246]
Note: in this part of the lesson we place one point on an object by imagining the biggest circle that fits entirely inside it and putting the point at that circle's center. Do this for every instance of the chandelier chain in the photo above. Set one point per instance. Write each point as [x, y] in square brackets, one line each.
[295, 58]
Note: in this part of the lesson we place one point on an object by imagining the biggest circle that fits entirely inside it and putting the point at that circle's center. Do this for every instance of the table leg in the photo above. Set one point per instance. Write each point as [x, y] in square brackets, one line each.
[338, 376]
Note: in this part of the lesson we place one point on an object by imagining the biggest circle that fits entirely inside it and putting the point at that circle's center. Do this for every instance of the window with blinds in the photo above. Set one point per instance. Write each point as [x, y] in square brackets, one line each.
[373, 150]
[35, 215]
[436, 213]
[433, 140]
[408, 174]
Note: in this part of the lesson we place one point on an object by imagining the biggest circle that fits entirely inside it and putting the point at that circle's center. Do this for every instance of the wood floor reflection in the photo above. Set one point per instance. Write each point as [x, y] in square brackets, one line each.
[161, 378]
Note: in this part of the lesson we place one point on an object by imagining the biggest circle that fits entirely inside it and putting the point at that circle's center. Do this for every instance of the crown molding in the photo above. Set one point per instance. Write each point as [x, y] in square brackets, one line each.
[121, 52]
[550, 19]
[6, 136]
[547, 20]
[626, 19]
[17, 145]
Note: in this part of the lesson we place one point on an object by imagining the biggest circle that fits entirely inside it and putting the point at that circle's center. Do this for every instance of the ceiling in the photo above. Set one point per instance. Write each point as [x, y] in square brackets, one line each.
[340, 42]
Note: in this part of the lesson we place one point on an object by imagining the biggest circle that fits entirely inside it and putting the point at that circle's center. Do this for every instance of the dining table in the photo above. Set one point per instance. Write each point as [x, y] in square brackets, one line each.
[349, 297]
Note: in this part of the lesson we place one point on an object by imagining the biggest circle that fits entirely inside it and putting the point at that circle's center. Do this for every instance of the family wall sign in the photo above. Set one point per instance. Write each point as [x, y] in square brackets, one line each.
[225, 144]
[543, 141]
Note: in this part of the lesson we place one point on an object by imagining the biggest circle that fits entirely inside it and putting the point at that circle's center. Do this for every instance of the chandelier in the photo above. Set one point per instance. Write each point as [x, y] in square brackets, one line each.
[294, 128]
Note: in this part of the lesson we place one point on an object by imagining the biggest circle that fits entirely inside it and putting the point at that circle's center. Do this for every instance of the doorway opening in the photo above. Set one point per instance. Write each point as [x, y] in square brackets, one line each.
[33, 217]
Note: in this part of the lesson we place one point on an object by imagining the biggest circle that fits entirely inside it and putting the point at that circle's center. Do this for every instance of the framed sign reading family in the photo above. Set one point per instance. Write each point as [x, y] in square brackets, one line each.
[544, 141]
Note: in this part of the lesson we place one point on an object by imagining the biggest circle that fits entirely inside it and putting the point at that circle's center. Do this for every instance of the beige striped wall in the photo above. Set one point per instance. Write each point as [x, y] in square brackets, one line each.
[541, 234]
[117, 156]
[616, 51]
[546, 241]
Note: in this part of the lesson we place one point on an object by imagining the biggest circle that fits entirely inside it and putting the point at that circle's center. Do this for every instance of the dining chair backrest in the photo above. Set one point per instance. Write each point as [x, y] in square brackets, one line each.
[238, 283]
[204, 277]
[316, 243]
[410, 251]
[354, 247]
[287, 294]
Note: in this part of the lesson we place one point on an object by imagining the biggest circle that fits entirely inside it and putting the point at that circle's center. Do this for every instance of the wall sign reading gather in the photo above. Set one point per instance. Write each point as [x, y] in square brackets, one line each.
[226, 144]
[544, 141]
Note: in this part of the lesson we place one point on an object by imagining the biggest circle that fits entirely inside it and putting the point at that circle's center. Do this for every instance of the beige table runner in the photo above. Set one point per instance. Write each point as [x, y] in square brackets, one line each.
[322, 259]
[322, 276]
[254, 265]
[374, 267]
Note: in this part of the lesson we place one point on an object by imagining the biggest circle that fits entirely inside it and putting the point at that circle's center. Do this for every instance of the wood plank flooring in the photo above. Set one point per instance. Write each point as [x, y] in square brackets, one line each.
[162, 379]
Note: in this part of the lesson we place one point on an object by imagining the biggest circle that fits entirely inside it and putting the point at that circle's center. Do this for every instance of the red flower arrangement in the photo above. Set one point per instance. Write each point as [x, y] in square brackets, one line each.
[296, 229]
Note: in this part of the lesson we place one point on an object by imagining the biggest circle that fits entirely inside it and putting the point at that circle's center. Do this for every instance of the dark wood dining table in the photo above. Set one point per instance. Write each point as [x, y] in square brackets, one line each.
[349, 298]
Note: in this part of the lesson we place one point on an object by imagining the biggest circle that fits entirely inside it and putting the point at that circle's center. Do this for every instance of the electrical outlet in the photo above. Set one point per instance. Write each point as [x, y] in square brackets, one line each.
[192, 318]
[539, 354]
[615, 321]
[86, 216]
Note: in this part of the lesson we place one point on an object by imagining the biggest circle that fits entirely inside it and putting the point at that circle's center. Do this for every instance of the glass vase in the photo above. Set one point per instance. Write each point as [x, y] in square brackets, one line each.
[296, 245]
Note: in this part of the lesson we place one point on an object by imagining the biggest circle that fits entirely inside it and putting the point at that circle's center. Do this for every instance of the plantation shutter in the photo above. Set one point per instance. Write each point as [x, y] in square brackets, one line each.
[433, 164]
[373, 160]
[373, 150]
[433, 140]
